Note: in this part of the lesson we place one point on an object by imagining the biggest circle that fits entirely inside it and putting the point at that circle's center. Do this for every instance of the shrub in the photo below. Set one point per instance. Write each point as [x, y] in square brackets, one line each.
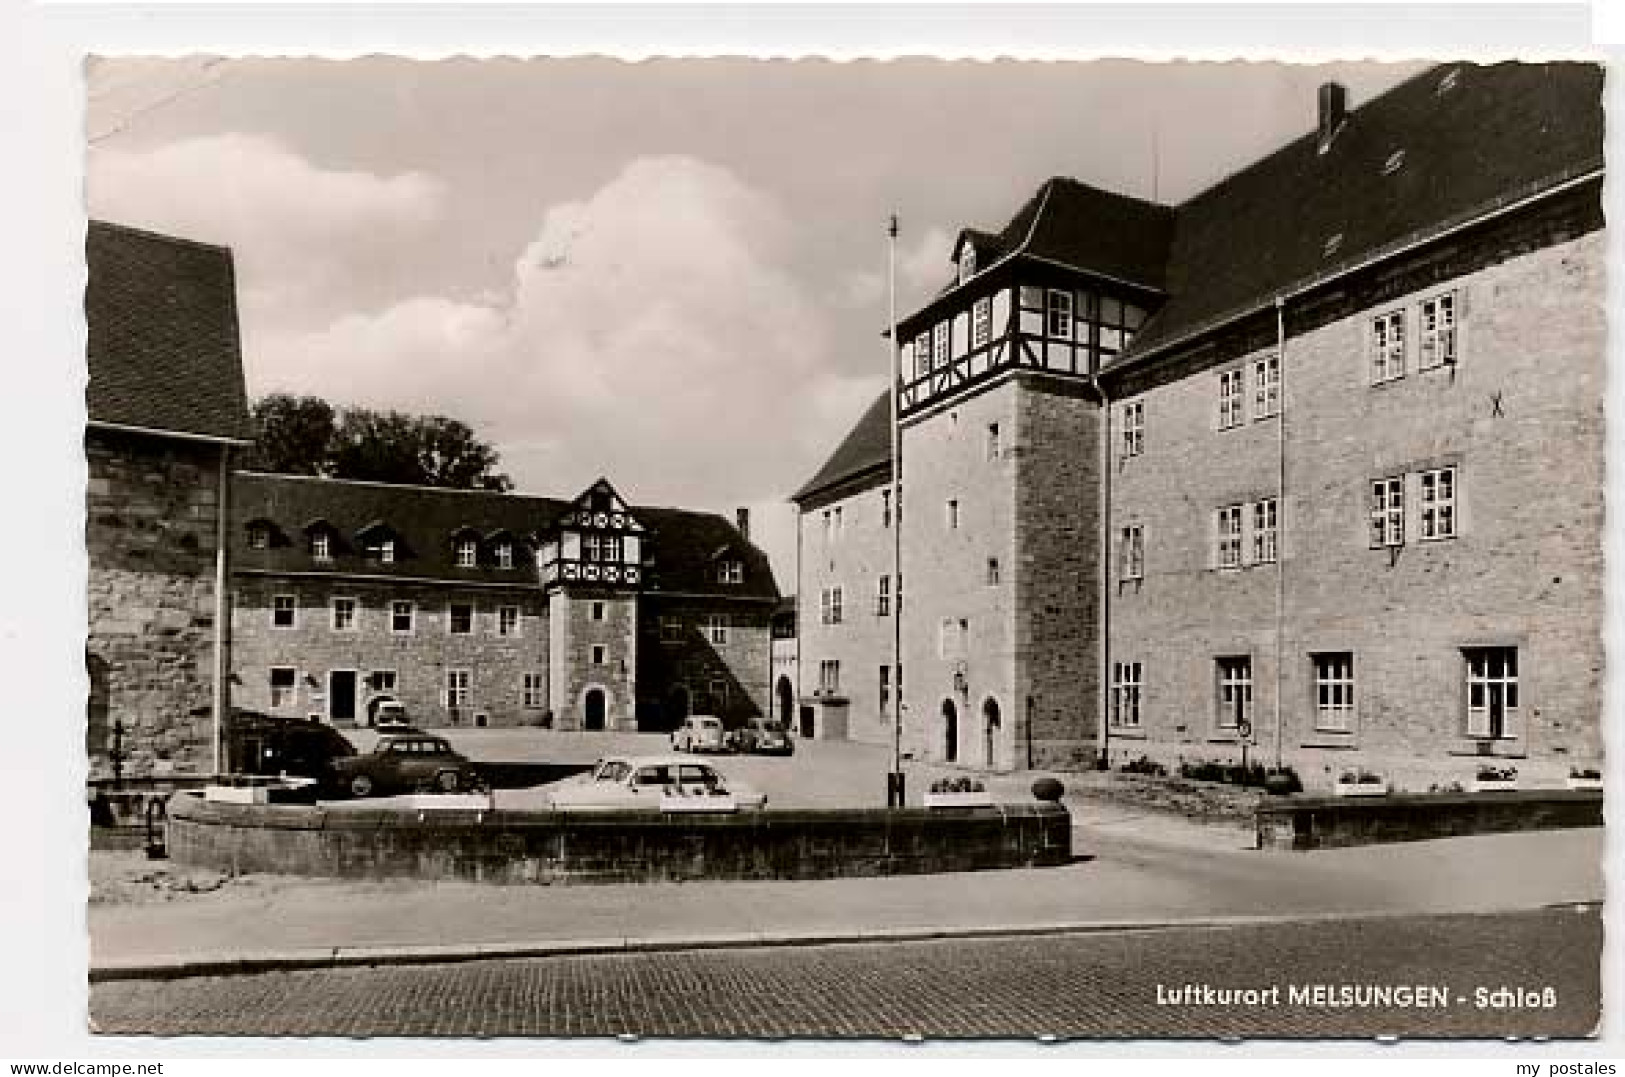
[957, 785]
[1048, 789]
[1487, 773]
[1145, 765]
[1359, 777]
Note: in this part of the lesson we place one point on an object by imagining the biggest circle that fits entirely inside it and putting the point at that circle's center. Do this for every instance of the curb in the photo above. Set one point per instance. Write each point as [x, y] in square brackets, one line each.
[455, 953]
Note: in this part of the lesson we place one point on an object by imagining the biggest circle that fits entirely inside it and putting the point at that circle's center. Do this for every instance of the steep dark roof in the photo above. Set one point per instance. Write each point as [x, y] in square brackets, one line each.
[1496, 134]
[163, 351]
[681, 544]
[1100, 231]
[866, 447]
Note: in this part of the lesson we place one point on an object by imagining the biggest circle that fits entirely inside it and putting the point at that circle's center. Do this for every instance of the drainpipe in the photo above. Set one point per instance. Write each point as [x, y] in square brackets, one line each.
[1103, 707]
[1280, 517]
[221, 698]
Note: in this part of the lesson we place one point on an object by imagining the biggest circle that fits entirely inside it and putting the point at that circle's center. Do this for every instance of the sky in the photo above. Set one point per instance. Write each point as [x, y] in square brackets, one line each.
[670, 273]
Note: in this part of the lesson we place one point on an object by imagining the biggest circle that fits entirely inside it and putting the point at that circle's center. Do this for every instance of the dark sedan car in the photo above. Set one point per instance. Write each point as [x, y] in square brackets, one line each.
[762, 738]
[406, 763]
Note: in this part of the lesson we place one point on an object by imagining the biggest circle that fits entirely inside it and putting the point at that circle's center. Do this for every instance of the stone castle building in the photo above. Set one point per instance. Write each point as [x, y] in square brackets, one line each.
[166, 408]
[487, 609]
[1308, 465]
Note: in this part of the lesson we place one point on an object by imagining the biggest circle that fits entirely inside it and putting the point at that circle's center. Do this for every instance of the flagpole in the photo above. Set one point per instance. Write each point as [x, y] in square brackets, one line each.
[894, 786]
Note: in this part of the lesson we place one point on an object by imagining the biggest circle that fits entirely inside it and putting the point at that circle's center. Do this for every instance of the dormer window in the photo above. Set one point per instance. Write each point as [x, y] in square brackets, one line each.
[731, 572]
[386, 552]
[504, 555]
[967, 263]
[321, 546]
[468, 553]
[259, 537]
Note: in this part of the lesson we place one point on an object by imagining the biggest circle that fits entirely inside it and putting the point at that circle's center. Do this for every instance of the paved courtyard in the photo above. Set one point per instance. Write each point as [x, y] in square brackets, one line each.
[820, 774]
[1089, 985]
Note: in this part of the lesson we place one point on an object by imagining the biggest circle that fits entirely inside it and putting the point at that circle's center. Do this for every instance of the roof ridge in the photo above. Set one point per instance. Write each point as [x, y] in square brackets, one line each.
[254, 473]
[148, 233]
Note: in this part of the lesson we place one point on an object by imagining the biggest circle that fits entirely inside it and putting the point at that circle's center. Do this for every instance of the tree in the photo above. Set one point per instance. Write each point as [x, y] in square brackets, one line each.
[300, 436]
[292, 434]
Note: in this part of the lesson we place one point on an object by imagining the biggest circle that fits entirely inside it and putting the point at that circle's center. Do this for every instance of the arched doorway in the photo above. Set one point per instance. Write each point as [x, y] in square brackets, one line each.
[593, 710]
[787, 702]
[950, 731]
[990, 732]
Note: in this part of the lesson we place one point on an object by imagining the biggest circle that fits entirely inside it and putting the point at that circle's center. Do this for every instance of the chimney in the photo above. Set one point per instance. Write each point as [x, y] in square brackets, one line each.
[1334, 107]
[742, 519]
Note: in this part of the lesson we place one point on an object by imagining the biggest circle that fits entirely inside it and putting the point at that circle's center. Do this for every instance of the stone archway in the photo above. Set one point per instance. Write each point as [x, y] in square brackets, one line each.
[990, 732]
[950, 732]
[593, 708]
[787, 702]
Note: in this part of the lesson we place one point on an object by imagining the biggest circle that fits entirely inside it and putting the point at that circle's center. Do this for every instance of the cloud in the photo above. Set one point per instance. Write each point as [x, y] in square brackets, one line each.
[925, 264]
[299, 232]
[655, 333]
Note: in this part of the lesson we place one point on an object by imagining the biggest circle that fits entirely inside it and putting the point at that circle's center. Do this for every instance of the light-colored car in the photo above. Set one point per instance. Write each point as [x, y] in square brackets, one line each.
[655, 782]
[700, 733]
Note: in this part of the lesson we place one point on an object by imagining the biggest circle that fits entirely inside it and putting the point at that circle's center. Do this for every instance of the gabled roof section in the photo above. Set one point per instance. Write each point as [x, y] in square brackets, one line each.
[162, 343]
[599, 505]
[1100, 231]
[866, 449]
[1440, 149]
[677, 554]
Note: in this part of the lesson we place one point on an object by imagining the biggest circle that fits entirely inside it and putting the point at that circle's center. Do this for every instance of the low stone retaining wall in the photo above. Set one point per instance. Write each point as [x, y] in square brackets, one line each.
[612, 847]
[1321, 822]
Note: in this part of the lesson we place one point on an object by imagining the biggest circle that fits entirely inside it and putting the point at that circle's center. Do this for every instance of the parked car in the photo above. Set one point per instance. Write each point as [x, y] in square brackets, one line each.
[405, 763]
[258, 743]
[699, 733]
[762, 738]
[390, 717]
[641, 782]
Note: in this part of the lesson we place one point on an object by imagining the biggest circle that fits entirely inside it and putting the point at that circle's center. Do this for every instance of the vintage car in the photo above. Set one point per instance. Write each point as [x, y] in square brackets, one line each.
[761, 738]
[405, 763]
[699, 733]
[654, 782]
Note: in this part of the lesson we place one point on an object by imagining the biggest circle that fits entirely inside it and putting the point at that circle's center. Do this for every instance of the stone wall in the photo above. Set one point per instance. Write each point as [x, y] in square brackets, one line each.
[853, 560]
[589, 625]
[151, 510]
[1058, 499]
[1338, 822]
[612, 847]
[728, 679]
[1520, 417]
[420, 659]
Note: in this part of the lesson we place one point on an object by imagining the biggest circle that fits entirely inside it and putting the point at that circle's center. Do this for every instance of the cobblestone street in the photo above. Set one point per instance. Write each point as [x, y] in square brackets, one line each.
[1094, 985]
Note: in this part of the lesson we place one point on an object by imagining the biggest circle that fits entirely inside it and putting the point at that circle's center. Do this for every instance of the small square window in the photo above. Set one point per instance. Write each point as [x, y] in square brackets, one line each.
[321, 547]
[460, 619]
[717, 628]
[344, 615]
[504, 555]
[284, 690]
[284, 611]
[259, 537]
[401, 616]
[468, 553]
[507, 620]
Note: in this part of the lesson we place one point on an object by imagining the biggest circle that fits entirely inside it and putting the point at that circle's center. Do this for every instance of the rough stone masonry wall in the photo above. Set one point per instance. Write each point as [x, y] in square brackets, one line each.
[575, 673]
[151, 509]
[946, 456]
[497, 664]
[1057, 536]
[694, 663]
[1520, 417]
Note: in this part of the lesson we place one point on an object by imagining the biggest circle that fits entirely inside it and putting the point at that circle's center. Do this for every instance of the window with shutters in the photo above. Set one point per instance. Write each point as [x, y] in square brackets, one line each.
[1227, 528]
[1230, 399]
[1388, 347]
[1388, 512]
[1436, 338]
